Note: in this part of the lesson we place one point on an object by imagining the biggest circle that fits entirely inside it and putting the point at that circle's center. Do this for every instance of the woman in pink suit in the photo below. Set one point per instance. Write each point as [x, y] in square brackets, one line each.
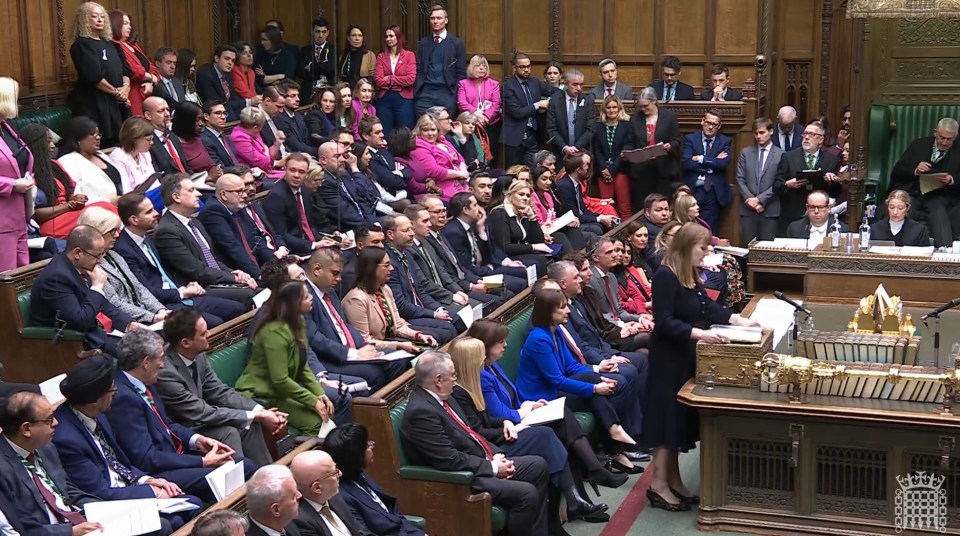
[363, 104]
[16, 162]
[395, 74]
[479, 95]
[435, 162]
[250, 148]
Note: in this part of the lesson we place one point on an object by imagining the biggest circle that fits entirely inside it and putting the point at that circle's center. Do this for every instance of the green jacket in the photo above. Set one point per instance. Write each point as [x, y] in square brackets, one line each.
[273, 366]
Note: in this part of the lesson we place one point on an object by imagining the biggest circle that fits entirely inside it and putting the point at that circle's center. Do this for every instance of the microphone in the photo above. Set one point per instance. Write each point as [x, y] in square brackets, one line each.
[260, 236]
[781, 296]
[936, 312]
[59, 325]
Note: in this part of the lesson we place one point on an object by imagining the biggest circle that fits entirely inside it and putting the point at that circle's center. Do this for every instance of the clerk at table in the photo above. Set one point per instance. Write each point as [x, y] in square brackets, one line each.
[897, 227]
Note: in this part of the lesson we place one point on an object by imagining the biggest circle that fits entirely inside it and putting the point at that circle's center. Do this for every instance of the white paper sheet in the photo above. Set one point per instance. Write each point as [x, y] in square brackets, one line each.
[225, 479]
[561, 222]
[392, 356]
[50, 389]
[790, 243]
[466, 314]
[738, 252]
[714, 259]
[776, 315]
[174, 505]
[492, 281]
[531, 275]
[200, 181]
[36, 243]
[738, 334]
[327, 427]
[553, 411]
[261, 298]
[125, 518]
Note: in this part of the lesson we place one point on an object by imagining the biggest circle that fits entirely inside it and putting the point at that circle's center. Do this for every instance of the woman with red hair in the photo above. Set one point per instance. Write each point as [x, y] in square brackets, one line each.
[143, 74]
[395, 73]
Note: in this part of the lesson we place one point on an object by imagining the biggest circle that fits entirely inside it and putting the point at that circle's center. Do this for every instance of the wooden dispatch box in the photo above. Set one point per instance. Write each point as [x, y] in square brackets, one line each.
[732, 364]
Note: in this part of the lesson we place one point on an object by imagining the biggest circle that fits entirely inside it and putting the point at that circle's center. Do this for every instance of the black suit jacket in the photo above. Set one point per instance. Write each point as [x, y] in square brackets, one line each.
[603, 151]
[667, 131]
[365, 510]
[682, 92]
[218, 153]
[180, 93]
[146, 272]
[796, 137]
[181, 255]
[454, 61]
[289, 530]
[162, 161]
[558, 122]
[298, 137]
[793, 201]
[456, 235]
[911, 234]
[462, 275]
[440, 287]
[801, 227]
[730, 95]
[920, 150]
[383, 165]
[309, 522]
[517, 111]
[210, 88]
[281, 209]
[228, 237]
[312, 67]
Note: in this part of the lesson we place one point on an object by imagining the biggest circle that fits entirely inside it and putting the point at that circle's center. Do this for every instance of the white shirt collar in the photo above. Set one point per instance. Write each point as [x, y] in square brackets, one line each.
[137, 239]
[822, 229]
[316, 289]
[509, 210]
[182, 219]
[18, 449]
[137, 384]
[89, 423]
[443, 34]
[465, 225]
[316, 506]
[266, 529]
[186, 360]
[896, 226]
[162, 134]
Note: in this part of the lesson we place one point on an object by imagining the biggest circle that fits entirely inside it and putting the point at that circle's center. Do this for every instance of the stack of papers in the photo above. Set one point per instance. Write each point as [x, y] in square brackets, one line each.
[493, 281]
[531, 275]
[225, 479]
[738, 334]
[552, 412]
[776, 315]
[714, 259]
[261, 298]
[470, 314]
[738, 252]
[560, 222]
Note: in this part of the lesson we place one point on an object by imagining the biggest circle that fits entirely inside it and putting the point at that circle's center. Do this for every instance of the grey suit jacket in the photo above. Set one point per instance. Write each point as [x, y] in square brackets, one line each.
[446, 280]
[599, 92]
[212, 403]
[596, 283]
[124, 290]
[747, 171]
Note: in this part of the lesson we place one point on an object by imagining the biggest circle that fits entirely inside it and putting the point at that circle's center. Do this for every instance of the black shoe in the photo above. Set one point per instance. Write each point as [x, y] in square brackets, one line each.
[636, 455]
[691, 500]
[616, 467]
[656, 501]
[586, 511]
[605, 478]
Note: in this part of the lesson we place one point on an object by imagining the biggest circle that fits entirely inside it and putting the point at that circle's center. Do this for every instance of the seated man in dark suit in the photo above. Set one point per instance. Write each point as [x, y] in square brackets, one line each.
[366, 235]
[669, 87]
[68, 293]
[291, 122]
[817, 223]
[152, 441]
[790, 185]
[44, 500]
[570, 194]
[322, 511]
[194, 396]
[92, 458]
[272, 502]
[391, 175]
[290, 210]
[415, 251]
[720, 77]
[339, 346]
[184, 246]
[214, 82]
[139, 217]
[166, 151]
[339, 197]
[434, 434]
[217, 142]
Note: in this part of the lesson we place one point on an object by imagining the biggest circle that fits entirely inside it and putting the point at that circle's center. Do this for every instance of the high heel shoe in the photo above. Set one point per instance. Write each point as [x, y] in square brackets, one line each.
[604, 478]
[615, 466]
[691, 500]
[656, 501]
[591, 513]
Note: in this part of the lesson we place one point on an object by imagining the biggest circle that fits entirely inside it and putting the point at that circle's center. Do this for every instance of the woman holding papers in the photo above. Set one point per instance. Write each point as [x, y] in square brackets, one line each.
[545, 206]
[502, 401]
[369, 306]
[897, 227]
[277, 371]
[516, 439]
[682, 317]
[647, 128]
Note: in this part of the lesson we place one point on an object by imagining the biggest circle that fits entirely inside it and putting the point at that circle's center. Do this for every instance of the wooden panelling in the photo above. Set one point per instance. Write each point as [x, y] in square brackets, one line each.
[486, 39]
[683, 27]
[633, 26]
[531, 31]
[580, 21]
[736, 14]
[915, 61]
[799, 24]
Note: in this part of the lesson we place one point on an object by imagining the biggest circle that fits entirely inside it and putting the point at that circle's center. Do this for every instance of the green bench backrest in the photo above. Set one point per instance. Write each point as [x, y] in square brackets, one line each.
[396, 419]
[23, 300]
[515, 339]
[913, 121]
[229, 362]
[55, 118]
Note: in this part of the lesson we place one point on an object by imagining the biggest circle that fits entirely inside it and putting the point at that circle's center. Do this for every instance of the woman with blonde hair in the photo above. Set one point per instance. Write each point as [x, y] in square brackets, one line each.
[435, 162]
[102, 91]
[249, 146]
[362, 104]
[515, 439]
[662, 243]
[15, 182]
[726, 280]
[682, 317]
[479, 95]
[514, 231]
[897, 226]
[610, 138]
[520, 171]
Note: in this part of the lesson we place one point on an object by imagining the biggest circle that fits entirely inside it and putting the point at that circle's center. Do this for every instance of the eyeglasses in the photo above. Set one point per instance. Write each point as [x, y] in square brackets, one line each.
[95, 256]
[523, 67]
[713, 124]
[811, 134]
[383, 264]
[238, 191]
[817, 208]
[335, 472]
[48, 421]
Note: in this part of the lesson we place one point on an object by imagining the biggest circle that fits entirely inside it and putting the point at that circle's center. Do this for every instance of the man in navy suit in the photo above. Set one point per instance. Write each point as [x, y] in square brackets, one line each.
[720, 78]
[577, 166]
[390, 174]
[338, 345]
[669, 88]
[43, 500]
[92, 458]
[570, 117]
[289, 208]
[271, 105]
[214, 82]
[706, 155]
[217, 142]
[291, 122]
[169, 88]
[68, 293]
[342, 202]
[524, 103]
[166, 151]
[441, 65]
[316, 476]
[139, 217]
[789, 133]
[150, 439]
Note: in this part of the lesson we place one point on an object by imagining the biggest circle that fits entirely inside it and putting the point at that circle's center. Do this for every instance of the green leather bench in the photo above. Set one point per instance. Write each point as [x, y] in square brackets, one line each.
[511, 360]
[55, 118]
[228, 363]
[40, 332]
[892, 127]
[498, 516]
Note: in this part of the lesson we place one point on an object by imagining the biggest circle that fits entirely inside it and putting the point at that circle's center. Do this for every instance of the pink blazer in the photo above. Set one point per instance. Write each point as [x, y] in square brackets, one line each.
[470, 97]
[359, 113]
[432, 162]
[252, 152]
[13, 210]
[545, 211]
[401, 79]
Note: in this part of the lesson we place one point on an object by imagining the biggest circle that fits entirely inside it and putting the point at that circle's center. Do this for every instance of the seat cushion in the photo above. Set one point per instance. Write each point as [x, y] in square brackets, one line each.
[40, 332]
[229, 362]
[515, 339]
[587, 422]
[498, 518]
[55, 118]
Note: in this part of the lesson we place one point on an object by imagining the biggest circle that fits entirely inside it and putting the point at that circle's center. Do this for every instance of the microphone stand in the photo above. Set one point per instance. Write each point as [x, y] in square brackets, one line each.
[936, 338]
[795, 332]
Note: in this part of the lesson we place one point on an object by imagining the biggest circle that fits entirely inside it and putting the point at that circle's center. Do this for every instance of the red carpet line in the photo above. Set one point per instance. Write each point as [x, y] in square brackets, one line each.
[630, 508]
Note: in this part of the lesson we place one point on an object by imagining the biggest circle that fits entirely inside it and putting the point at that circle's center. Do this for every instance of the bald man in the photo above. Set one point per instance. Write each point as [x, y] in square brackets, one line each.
[167, 153]
[321, 510]
[342, 197]
[788, 134]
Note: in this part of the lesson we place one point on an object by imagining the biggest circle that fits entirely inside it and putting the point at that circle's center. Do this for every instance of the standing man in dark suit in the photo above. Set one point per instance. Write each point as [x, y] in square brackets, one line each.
[791, 188]
[291, 122]
[720, 77]
[756, 172]
[68, 293]
[322, 511]
[217, 142]
[273, 502]
[434, 433]
[289, 207]
[214, 82]
[669, 88]
[789, 134]
[441, 65]
[169, 88]
[523, 104]
[571, 117]
[45, 501]
[933, 154]
[166, 151]
[318, 60]
[194, 396]
[706, 155]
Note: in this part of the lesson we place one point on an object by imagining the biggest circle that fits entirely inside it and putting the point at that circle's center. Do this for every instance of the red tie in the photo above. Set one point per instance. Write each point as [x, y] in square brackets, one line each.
[177, 442]
[226, 88]
[613, 306]
[304, 224]
[173, 154]
[259, 224]
[336, 316]
[243, 239]
[436, 39]
[609, 91]
[70, 516]
[573, 347]
[476, 437]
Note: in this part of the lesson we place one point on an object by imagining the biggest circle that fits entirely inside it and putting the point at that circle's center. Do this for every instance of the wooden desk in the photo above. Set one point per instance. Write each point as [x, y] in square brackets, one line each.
[776, 269]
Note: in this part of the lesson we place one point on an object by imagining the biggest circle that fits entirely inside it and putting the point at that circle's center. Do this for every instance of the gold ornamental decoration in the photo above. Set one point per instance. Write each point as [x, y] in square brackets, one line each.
[908, 9]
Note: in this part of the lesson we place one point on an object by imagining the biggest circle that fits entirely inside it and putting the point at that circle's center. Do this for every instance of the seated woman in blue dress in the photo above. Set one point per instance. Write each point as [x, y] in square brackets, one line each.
[353, 452]
[516, 439]
[503, 402]
[897, 226]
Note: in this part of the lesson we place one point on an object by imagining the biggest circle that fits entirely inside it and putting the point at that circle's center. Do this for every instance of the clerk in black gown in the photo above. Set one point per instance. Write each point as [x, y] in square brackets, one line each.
[681, 317]
[898, 227]
[103, 83]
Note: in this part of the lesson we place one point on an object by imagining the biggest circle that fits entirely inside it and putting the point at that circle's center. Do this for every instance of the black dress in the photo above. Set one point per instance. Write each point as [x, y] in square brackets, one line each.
[673, 359]
[911, 234]
[95, 60]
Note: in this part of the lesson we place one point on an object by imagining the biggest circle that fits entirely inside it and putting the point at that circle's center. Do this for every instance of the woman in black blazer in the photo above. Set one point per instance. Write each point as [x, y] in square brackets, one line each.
[610, 138]
[897, 227]
[514, 230]
[659, 174]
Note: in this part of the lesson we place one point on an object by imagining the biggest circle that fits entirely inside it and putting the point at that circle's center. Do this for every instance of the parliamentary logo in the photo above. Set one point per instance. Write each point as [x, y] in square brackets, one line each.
[921, 502]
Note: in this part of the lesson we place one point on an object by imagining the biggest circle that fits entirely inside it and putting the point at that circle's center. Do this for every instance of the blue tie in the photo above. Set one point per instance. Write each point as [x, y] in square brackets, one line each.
[571, 117]
[167, 282]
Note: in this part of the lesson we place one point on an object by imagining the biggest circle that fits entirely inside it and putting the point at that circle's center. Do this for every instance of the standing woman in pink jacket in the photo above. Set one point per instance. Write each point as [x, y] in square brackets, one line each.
[395, 74]
[16, 181]
[435, 162]
[479, 95]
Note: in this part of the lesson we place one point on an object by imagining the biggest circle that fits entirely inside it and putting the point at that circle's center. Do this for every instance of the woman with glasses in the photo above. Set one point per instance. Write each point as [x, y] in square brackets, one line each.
[897, 226]
[653, 125]
[133, 158]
